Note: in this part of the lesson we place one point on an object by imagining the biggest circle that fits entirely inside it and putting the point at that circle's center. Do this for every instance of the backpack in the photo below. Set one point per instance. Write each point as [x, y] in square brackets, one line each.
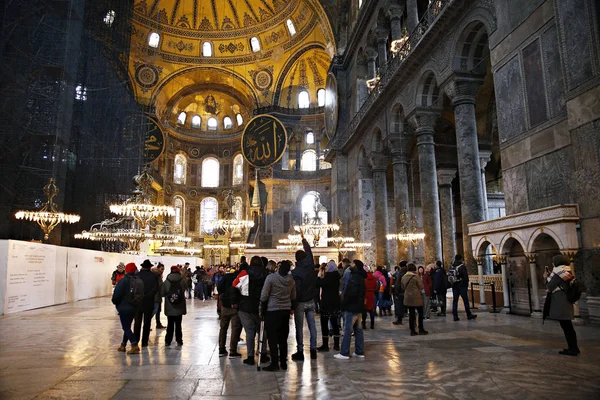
[135, 295]
[574, 289]
[175, 293]
[378, 286]
[453, 275]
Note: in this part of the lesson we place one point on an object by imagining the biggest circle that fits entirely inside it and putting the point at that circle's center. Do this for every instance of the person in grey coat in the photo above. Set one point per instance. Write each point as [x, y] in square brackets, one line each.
[173, 288]
[561, 309]
[278, 298]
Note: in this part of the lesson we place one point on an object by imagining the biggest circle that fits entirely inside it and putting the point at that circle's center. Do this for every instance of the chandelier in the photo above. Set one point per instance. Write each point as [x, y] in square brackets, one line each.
[341, 242]
[241, 247]
[314, 226]
[48, 217]
[139, 205]
[170, 249]
[407, 231]
[230, 224]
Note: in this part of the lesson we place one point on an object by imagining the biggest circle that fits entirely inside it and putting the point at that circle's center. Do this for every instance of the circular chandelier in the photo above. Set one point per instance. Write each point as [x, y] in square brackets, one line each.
[230, 224]
[178, 250]
[48, 217]
[408, 231]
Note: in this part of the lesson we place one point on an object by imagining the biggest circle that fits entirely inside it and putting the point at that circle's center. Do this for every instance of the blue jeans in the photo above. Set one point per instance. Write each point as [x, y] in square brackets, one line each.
[379, 301]
[126, 320]
[460, 291]
[353, 321]
[308, 308]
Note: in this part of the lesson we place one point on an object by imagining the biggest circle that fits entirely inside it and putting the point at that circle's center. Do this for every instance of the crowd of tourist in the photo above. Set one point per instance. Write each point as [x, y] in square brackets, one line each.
[348, 296]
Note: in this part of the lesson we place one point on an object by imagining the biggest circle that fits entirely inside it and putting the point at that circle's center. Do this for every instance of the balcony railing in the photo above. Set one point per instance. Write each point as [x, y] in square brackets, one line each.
[289, 111]
[390, 69]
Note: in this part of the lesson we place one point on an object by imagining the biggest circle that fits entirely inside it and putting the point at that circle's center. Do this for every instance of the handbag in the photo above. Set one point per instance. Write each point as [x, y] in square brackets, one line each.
[547, 304]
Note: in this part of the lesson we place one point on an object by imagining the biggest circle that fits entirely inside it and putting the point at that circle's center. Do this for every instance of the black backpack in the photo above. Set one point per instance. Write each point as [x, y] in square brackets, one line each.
[573, 289]
[175, 293]
[135, 295]
[453, 275]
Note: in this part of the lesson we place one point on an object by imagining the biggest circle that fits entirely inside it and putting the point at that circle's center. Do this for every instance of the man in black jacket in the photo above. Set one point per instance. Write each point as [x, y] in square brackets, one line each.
[353, 302]
[440, 287]
[460, 287]
[306, 288]
[144, 313]
[229, 313]
[399, 293]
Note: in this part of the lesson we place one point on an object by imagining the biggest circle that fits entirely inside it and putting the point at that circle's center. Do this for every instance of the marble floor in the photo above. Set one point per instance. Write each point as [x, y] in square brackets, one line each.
[69, 352]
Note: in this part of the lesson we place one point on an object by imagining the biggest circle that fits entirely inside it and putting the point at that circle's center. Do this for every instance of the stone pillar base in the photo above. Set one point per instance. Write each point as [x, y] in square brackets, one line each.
[593, 304]
[506, 310]
[484, 307]
[537, 315]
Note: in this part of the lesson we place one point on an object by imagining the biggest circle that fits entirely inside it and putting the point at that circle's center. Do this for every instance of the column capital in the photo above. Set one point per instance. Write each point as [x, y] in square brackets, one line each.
[462, 88]
[446, 176]
[379, 162]
[371, 53]
[381, 35]
[484, 157]
[571, 253]
[423, 120]
[398, 142]
[395, 12]
[531, 257]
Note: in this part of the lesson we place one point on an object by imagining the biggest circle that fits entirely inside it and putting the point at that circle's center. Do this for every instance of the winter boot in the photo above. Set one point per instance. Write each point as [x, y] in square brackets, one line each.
[135, 349]
[325, 346]
[336, 343]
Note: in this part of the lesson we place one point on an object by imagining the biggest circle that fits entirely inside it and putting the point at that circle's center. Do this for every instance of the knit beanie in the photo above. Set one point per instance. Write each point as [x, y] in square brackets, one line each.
[358, 263]
[130, 268]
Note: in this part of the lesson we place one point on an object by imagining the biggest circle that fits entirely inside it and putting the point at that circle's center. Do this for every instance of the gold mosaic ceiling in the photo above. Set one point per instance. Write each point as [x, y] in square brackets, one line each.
[161, 74]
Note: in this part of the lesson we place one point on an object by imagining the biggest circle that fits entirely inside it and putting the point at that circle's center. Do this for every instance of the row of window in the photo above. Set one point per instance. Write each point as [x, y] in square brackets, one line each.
[207, 47]
[210, 171]
[212, 123]
[304, 98]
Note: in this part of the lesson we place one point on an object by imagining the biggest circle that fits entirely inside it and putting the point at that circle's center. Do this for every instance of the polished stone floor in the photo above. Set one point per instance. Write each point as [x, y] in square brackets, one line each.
[69, 352]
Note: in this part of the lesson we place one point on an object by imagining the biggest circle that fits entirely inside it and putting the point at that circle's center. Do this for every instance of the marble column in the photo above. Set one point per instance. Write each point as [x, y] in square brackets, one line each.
[412, 15]
[535, 296]
[462, 90]
[371, 54]
[503, 260]
[401, 200]
[379, 163]
[298, 155]
[445, 178]
[482, 304]
[484, 158]
[382, 36]
[318, 151]
[395, 13]
[366, 197]
[424, 121]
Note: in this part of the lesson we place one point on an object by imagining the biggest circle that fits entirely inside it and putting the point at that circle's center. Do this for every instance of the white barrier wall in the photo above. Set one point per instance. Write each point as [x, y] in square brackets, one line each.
[34, 275]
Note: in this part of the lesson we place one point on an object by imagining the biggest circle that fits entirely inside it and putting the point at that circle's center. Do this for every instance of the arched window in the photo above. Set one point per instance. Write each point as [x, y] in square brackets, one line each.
[291, 27]
[212, 124]
[209, 211]
[255, 44]
[179, 169]
[360, 3]
[309, 161]
[303, 99]
[321, 97]
[196, 121]
[239, 119]
[182, 117]
[227, 123]
[237, 208]
[238, 170]
[154, 40]
[310, 137]
[210, 172]
[207, 49]
[109, 18]
[178, 204]
[313, 209]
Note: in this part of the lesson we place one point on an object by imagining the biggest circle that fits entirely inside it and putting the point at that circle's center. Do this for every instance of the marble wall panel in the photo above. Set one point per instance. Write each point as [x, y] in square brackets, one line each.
[585, 180]
[509, 17]
[510, 100]
[515, 185]
[534, 84]
[548, 180]
[555, 87]
[574, 22]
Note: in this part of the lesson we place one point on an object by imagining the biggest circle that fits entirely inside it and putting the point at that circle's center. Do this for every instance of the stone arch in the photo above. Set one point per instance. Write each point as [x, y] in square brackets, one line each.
[540, 232]
[376, 140]
[507, 242]
[483, 246]
[487, 251]
[544, 244]
[362, 161]
[396, 119]
[472, 48]
[428, 91]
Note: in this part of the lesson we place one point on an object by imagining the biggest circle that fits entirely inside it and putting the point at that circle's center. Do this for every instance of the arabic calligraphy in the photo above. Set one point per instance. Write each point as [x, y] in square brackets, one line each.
[153, 142]
[264, 141]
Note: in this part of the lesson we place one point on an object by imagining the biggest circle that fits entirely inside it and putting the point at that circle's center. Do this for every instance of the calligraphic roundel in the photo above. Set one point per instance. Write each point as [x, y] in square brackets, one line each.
[264, 140]
[154, 141]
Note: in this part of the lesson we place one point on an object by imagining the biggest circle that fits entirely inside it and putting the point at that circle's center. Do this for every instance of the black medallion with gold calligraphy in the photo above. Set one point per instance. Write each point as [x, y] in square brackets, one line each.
[264, 140]
[154, 141]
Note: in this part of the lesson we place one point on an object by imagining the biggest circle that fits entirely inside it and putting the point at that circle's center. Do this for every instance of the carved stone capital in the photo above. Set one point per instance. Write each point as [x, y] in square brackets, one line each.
[531, 257]
[484, 158]
[423, 120]
[398, 142]
[381, 35]
[446, 176]
[371, 53]
[395, 12]
[462, 88]
[378, 162]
